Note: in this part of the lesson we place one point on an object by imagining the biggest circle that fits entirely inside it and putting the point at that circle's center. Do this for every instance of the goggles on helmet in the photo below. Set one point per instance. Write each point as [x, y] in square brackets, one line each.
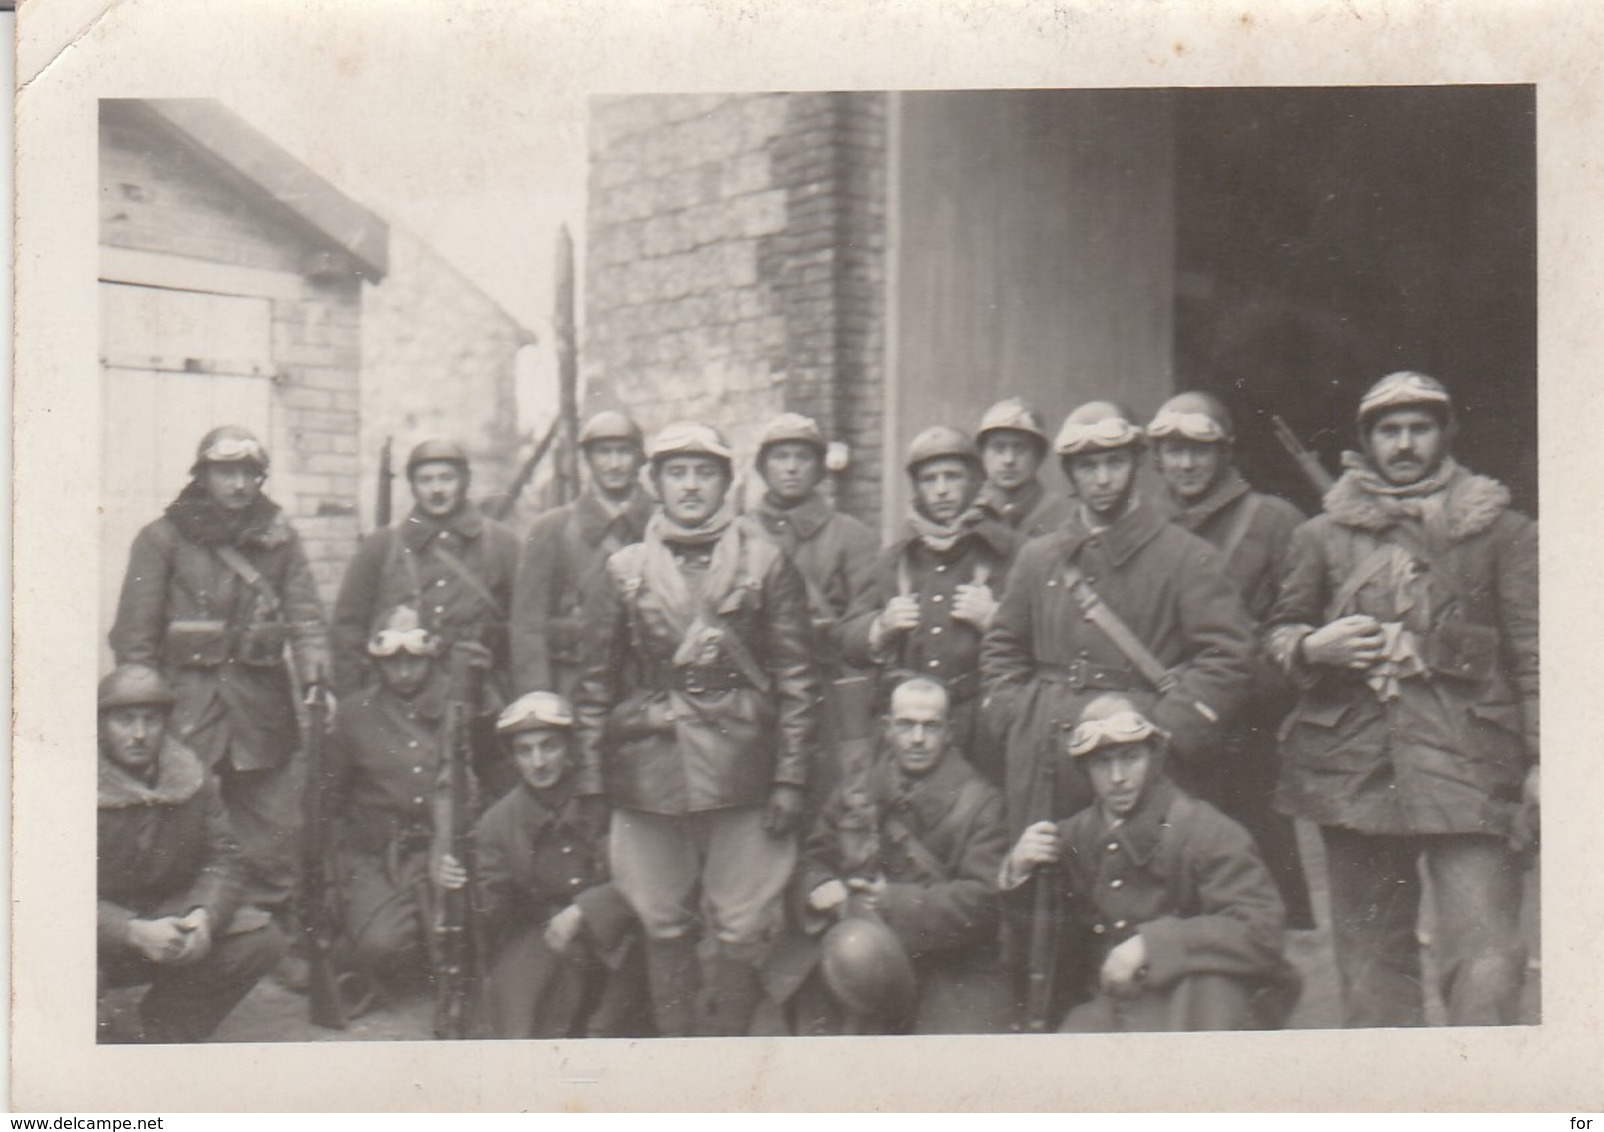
[1118, 729]
[416, 642]
[535, 709]
[1110, 432]
[234, 449]
[1199, 427]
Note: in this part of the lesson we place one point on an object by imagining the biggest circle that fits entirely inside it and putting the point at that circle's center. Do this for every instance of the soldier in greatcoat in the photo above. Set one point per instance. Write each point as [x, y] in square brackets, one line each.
[453, 565]
[1166, 917]
[835, 554]
[168, 908]
[696, 711]
[215, 590]
[565, 956]
[1193, 441]
[1408, 619]
[1012, 439]
[566, 550]
[936, 588]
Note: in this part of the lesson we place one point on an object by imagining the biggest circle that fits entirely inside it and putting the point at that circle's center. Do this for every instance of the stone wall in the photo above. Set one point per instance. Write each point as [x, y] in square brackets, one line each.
[735, 266]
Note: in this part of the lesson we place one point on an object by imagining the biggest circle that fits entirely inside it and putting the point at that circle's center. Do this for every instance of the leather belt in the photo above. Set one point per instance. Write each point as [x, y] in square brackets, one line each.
[1081, 674]
[702, 679]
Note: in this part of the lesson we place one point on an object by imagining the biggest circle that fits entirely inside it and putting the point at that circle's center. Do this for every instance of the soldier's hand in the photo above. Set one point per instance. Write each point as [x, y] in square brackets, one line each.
[828, 897]
[449, 873]
[974, 604]
[900, 615]
[1125, 969]
[197, 936]
[1356, 641]
[564, 928]
[785, 809]
[867, 891]
[1037, 846]
[160, 941]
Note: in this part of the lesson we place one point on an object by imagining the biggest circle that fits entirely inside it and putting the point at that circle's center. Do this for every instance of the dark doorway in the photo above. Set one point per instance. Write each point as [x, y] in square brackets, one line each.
[1328, 236]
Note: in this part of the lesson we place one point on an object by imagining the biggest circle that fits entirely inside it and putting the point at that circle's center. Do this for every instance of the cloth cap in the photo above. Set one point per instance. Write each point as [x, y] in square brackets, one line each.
[132, 685]
[402, 631]
[938, 441]
[791, 428]
[229, 444]
[611, 424]
[689, 438]
[437, 451]
[1097, 426]
[1192, 416]
[535, 709]
[1405, 387]
[1012, 415]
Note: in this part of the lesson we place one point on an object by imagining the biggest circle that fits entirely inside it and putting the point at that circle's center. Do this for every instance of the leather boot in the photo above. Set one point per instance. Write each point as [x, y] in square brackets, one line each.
[736, 993]
[674, 972]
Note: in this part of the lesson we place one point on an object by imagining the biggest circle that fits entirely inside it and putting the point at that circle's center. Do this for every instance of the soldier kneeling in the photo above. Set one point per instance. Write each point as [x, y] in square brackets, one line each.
[900, 877]
[1169, 919]
[566, 953]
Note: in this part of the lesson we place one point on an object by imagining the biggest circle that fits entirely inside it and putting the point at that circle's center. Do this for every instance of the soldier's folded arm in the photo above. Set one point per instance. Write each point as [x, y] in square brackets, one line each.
[1299, 608]
[219, 884]
[963, 910]
[792, 671]
[855, 631]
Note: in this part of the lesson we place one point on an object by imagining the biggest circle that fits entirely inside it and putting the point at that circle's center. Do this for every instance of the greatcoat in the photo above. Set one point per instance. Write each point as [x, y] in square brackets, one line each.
[1032, 510]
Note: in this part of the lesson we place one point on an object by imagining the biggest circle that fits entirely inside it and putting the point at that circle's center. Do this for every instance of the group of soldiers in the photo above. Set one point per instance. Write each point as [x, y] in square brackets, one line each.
[1033, 765]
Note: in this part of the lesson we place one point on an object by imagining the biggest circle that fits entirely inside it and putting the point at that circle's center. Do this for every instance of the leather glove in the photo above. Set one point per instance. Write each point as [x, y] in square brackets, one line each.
[784, 810]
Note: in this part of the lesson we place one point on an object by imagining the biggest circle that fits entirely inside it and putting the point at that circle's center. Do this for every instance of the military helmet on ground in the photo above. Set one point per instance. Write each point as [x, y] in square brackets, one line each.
[689, 438]
[1405, 389]
[1012, 415]
[611, 424]
[1195, 416]
[437, 451]
[229, 444]
[134, 685]
[1097, 426]
[940, 441]
[867, 968]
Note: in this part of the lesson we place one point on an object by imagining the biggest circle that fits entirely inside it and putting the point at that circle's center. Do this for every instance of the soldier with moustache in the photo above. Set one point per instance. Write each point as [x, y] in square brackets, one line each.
[452, 565]
[1408, 619]
[1013, 442]
[696, 711]
[936, 588]
[168, 893]
[220, 599]
[1193, 439]
[835, 554]
[566, 549]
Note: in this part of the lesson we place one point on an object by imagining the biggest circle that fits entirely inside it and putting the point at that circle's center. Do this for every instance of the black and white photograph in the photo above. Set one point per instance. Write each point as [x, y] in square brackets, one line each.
[824, 564]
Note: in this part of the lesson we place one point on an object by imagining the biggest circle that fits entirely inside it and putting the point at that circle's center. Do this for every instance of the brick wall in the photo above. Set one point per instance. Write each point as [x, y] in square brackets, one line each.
[160, 196]
[735, 266]
[438, 360]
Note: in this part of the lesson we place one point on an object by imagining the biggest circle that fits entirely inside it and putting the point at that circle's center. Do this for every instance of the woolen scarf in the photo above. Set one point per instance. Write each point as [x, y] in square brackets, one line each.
[691, 618]
[942, 537]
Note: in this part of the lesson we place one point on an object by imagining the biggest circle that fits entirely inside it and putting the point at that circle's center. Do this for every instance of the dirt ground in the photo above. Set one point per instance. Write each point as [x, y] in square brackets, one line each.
[272, 1014]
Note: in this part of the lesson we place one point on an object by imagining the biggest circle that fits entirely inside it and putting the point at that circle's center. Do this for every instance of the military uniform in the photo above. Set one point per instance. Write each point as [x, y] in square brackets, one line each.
[1032, 510]
[563, 558]
[220, 641]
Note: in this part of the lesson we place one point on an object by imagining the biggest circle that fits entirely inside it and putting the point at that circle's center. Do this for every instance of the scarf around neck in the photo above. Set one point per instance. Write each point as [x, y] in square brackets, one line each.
[696, 621]
[202, 520]
[942, 537]
[1408, 501]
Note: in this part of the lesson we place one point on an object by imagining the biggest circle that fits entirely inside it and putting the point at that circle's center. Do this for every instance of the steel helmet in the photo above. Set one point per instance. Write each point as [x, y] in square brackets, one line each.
[939, 441]
[132, 685]
[689, 438]
[867, 968]
[437, 451]
[229, 444]
[1198, 417]
[1097, 426]
[793, 428]
[611, 424]
[1013, 415]
[1406, 387]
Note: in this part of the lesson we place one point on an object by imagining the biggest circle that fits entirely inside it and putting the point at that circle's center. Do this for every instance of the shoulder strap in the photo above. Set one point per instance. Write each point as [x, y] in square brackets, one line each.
[905, 839]
[1094, 609]
[460, 568]
[251, 576]
[1369, 566]
[1239, 526]
[734, 647]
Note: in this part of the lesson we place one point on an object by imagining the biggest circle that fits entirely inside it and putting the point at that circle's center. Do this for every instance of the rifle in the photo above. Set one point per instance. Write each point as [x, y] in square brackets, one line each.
[1043, 913]
[459, 977]
[323, 989]
[509, 498]
[1313, 470]
[383, 505]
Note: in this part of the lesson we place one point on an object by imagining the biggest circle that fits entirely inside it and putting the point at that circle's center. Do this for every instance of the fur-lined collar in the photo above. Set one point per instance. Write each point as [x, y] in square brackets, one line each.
[1471, 503]
[201, 520]
[179, 776]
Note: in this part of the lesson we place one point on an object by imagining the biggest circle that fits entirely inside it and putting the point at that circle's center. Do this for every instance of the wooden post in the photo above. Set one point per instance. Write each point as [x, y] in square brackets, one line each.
[567, 467]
